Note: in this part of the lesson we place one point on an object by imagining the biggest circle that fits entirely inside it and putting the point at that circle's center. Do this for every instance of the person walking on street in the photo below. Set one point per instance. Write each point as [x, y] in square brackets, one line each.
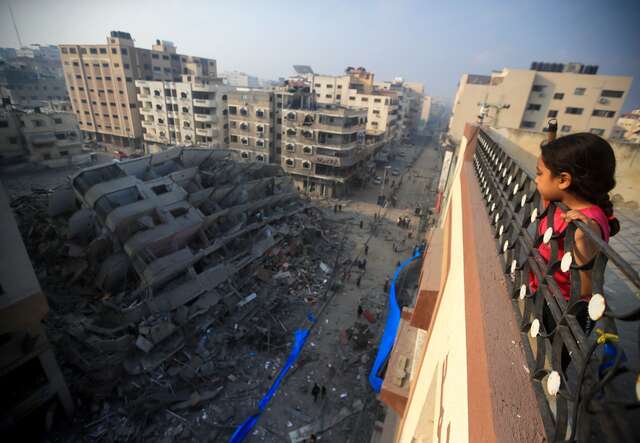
[364, 264]
[315, 391]
[359, 311]
[361, 224]
[386, 284]
[323, 392]
[358, 280]
[366, 249]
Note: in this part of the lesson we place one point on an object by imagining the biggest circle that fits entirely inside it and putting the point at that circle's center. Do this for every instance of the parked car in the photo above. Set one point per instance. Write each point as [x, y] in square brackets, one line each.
[120, 155]
[377, 181]
[395, 172]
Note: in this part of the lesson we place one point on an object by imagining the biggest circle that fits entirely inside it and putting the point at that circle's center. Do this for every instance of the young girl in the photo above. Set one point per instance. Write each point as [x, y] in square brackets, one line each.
[577, 170]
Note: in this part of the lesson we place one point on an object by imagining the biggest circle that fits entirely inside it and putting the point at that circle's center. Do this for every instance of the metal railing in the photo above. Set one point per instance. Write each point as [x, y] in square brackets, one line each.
[584, 381]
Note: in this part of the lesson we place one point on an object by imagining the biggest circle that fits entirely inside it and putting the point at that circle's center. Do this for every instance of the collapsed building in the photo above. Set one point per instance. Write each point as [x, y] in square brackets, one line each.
[163, 272]
[174, 226]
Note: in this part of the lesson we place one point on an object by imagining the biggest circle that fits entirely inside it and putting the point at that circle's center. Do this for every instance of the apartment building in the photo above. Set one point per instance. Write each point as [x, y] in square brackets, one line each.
[252, 122]
[628, 127]
[323, 146]
[393, 108]
[355, 90]
[575, 95]
[240, 79]
[187, 113]
[101, 83]
[26, 85]
[48, 137]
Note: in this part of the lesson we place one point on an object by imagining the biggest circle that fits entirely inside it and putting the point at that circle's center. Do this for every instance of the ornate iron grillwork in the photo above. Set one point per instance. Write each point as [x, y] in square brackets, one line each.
[586, 386]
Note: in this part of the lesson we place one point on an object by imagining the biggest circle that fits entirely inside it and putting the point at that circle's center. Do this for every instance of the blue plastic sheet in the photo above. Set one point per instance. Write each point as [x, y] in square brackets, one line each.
[390, 328]
[243, 430]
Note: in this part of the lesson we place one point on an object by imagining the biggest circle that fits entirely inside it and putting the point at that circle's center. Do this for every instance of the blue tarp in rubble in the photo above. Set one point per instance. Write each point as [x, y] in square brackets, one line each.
[243, 430]
[390, 329]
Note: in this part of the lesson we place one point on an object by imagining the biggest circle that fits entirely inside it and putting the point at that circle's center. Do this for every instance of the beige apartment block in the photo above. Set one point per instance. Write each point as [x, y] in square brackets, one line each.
[101, 83]
[251, 114]
[527, 99]
[628, 127]
[426, 109]
[356, 90]
[48, 137]
[188, 113]
[323, 146]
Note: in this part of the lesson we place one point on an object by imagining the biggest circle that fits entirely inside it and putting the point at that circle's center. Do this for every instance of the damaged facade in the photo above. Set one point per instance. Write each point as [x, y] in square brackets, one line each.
[324, 147]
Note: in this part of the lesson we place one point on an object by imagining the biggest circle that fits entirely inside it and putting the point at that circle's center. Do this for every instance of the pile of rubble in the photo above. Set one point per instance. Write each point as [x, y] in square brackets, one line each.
[173, 280]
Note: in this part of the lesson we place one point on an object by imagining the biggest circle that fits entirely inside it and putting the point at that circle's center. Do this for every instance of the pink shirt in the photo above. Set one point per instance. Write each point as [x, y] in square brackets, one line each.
[562, 278]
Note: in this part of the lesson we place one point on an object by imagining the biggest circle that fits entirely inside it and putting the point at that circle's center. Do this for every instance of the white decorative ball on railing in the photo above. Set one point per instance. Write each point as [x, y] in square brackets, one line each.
[565, 263]
[535, 328]
[553, 383]
[547, 235]
[597, 305]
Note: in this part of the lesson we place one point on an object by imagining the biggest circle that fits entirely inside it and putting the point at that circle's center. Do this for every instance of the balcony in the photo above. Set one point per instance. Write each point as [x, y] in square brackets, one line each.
[208, 103]
[207, 132]
[205, 118]
[518, 348]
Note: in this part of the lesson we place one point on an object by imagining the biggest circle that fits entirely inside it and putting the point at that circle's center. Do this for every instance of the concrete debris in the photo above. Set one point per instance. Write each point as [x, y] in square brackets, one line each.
[148, 280]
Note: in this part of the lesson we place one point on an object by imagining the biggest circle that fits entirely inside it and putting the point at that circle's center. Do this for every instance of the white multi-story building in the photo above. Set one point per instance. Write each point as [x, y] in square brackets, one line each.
[192, 112]
[578, 98]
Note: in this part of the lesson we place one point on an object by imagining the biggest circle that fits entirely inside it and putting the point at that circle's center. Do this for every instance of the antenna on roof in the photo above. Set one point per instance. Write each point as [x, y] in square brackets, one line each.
[13, 20]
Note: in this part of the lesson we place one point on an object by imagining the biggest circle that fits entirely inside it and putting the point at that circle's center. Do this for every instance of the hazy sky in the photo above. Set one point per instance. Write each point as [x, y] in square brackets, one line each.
[433, 42]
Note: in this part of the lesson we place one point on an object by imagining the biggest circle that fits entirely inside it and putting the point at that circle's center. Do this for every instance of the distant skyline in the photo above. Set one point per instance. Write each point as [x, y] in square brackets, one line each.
[430, 42]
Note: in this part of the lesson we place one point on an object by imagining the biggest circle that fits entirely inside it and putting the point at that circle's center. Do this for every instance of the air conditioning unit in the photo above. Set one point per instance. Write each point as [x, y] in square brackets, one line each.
[603, 101]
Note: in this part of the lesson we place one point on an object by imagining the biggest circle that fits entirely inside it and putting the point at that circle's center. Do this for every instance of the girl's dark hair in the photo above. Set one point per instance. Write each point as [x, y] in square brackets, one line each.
[590, 161]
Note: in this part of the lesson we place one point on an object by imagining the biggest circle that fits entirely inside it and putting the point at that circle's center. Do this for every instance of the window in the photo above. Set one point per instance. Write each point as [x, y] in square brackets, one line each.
[318, 85]
[123, 51]
[93, 50]
[328, 96]
[155, 56]
[38, 123]
[165, 57]
[527, 124]
[575, 111]
[596, 131]
[57, 121]
[289, 162]
[103, 50]
[376, 100]
[579, 91]
[245, 154]
[114, 51]
[552, 113]
[565, 128]
[129, 79]
[244, 141]
[233, 110]
[612, 94]
[352, 98]
[538, 88]
[603, 113]
[338, 97]
[533, 107]
[76, 64]
[364, 99]
[329, 86]
[64, 50]
[234, 139]
[105, 65]
[339, 86]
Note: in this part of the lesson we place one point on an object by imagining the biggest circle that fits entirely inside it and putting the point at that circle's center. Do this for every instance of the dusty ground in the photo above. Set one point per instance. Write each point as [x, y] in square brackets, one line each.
[332, 362]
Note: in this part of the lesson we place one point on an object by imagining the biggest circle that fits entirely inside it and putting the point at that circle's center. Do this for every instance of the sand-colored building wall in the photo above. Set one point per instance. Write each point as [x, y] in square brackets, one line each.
[580, 102]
